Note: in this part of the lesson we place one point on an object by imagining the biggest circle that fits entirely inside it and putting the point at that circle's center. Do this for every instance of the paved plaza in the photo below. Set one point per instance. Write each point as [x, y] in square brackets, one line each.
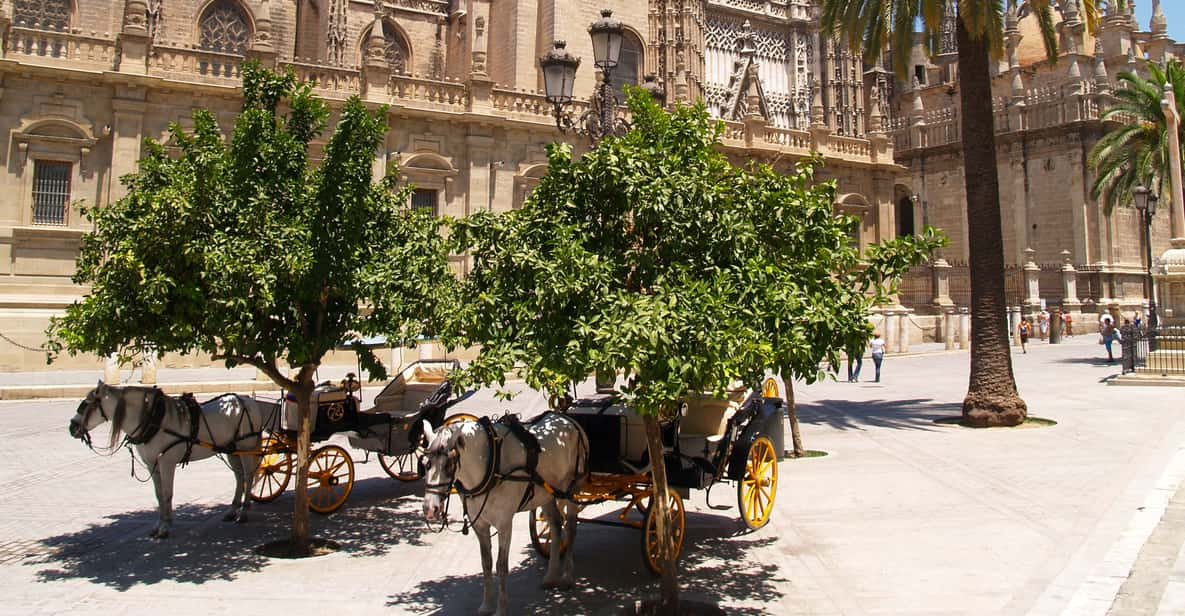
[904, 516]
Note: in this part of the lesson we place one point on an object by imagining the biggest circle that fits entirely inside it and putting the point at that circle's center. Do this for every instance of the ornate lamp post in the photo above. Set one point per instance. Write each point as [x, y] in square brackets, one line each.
[559, 73]
[1145, 202]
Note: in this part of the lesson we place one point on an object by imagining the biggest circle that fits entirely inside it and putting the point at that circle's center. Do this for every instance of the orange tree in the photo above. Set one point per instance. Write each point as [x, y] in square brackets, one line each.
[243, 250]
[655, 256]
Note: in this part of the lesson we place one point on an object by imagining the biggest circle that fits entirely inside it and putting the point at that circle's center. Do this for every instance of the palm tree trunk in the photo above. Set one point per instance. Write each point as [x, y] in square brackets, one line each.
[992, 399]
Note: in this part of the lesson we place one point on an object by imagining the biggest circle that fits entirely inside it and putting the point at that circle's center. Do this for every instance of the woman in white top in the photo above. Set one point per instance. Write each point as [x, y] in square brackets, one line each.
[878, 352]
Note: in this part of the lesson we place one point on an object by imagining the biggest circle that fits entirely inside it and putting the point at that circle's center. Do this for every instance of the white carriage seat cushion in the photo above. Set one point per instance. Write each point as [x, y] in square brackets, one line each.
[703, 425]
[433, 374]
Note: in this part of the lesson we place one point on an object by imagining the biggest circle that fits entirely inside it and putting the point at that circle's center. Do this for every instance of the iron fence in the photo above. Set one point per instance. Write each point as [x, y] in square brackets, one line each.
[1159, 351]
[917, 287]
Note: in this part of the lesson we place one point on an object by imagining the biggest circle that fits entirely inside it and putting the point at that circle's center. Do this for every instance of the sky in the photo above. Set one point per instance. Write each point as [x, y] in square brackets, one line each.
[1174, 10]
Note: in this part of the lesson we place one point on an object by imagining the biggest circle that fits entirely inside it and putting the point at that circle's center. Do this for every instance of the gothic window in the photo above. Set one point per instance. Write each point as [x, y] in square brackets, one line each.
[396, 50]
[42, 14]
[629, 64]
[224, 28]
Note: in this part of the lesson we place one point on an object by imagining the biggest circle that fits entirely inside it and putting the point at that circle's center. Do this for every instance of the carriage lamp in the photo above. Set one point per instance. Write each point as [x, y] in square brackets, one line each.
[1145, 201]
[559, 74]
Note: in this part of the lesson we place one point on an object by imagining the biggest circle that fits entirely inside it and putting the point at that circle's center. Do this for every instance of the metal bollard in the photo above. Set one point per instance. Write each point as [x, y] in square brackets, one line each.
[1055, 327]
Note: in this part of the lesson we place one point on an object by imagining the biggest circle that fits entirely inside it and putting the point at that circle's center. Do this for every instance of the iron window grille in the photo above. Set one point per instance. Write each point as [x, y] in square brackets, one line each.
[51, 192]
[425, 199]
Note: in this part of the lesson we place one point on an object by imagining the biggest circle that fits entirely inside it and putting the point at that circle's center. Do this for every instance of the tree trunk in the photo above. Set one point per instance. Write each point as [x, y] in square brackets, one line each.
[669, 597]
[300, 515]
[792, 409]
[992, 399]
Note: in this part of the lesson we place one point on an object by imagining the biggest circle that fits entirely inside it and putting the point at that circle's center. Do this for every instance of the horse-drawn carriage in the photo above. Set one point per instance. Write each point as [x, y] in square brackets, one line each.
[739, 438]
[392, 429]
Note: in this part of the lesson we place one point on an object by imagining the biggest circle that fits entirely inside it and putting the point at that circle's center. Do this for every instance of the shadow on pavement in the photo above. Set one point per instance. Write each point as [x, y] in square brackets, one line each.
[909, 414]
[380, 514]
[717, 565]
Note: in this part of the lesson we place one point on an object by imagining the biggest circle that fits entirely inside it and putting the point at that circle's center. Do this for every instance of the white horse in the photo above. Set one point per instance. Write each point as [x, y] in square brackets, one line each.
[489, 464]
[166, 432]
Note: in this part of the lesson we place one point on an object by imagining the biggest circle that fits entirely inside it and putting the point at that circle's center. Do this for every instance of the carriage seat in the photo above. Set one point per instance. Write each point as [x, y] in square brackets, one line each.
[704, 421]
[411, 389]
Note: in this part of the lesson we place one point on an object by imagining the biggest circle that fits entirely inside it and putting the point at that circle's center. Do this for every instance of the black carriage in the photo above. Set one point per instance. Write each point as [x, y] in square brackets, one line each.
[738, 439]
[392, 429]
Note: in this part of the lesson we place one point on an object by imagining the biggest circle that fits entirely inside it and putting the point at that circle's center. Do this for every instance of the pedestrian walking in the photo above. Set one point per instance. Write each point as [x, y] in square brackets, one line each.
[1043, 323]
[1025, 329]
[856, 357]
[1069, 323]
[1107, 335]
[878, 353]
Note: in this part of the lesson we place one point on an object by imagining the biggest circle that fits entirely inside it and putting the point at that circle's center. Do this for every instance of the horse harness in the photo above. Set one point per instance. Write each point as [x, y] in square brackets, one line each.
[527, 473]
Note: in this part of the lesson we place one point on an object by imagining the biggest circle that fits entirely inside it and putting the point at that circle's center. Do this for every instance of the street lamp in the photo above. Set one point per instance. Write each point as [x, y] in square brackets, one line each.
[559, 72]
[1145, 201]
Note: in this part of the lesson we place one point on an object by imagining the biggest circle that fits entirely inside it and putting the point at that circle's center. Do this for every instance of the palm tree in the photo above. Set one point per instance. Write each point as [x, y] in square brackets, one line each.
[1135, 153]
[992, 398]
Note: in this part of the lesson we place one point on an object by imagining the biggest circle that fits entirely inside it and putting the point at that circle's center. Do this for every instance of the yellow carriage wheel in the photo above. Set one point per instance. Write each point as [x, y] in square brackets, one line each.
[756, 491]
[274, 470]
[541, 533]
[770, 388]
[650, 538]
[331, 478]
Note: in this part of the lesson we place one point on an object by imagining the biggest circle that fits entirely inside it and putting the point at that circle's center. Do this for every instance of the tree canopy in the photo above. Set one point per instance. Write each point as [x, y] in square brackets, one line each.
[654, 255]
[244, 250]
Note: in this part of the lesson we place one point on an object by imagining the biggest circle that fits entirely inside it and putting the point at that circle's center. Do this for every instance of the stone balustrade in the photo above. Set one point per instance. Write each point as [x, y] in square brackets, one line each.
[196, 66]
[417, 92]
[328, 81]
[798, 141]
[63, 49]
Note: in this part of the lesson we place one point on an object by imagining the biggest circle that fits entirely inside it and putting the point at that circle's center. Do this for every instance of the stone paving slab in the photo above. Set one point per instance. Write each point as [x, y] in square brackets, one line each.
[905, 516]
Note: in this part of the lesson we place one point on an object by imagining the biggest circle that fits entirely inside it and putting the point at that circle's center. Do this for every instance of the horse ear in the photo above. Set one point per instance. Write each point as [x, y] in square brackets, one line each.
[428, 434]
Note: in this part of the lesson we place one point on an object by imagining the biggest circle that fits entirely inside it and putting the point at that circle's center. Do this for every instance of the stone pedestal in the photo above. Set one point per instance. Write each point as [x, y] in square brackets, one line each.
[427, 350]
[1032, 304]
[1170, 283]
[1070, 301]
[941, 271]
[904, 323]
[1014, 324]
[889, 330]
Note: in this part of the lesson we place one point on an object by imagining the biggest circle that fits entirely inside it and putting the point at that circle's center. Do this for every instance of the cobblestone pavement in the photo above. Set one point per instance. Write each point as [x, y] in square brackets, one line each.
[904, 516]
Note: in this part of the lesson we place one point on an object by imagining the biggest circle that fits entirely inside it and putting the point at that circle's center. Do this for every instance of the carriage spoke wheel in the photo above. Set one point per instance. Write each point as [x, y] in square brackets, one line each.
[770, 388]
[541, 533]
[756, 491]
[675, 527]
[274, 471]
[404, 466]
[331, 477]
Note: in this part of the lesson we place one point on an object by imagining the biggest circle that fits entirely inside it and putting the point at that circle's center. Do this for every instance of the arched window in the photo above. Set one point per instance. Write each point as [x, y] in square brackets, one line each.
[629, 64]
[224, 28]
[395, 48]
[42, 14]
[905, 226]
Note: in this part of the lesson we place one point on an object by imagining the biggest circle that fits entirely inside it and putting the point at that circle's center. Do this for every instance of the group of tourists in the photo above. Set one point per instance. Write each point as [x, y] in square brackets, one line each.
[1027, 328]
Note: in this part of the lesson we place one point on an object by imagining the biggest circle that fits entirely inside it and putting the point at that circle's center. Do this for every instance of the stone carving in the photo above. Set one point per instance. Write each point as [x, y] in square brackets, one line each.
[156, 19]
[224, 28]
[42, 14]
[949, 42]
[337, 32]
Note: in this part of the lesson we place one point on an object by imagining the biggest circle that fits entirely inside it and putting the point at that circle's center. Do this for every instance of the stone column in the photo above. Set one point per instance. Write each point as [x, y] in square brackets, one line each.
[1032, 283]
[951, 328]
[376, 71]
[133, 38]
[1070, 301]
[1014, 324]
[127, 132]
[148, 368]
[941, 271]
[964, 328]
[903, 331]
[111, 370]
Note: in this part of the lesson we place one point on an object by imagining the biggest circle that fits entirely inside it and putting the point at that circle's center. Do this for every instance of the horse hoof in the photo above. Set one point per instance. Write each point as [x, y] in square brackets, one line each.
[549, 584]
[485, 611]
[239, 519]
[229, 516]
[565, 584]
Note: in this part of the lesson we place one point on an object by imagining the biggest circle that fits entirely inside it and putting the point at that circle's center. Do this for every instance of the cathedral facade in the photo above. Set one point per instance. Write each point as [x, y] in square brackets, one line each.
[84, 82]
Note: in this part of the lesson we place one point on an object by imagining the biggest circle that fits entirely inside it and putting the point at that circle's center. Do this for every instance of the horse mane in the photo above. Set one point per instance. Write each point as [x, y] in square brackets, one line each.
[119, 416]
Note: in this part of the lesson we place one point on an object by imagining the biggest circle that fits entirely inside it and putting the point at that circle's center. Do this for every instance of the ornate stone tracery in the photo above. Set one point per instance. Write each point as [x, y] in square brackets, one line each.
[225, 28]
[336, 35]
[43, 14]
